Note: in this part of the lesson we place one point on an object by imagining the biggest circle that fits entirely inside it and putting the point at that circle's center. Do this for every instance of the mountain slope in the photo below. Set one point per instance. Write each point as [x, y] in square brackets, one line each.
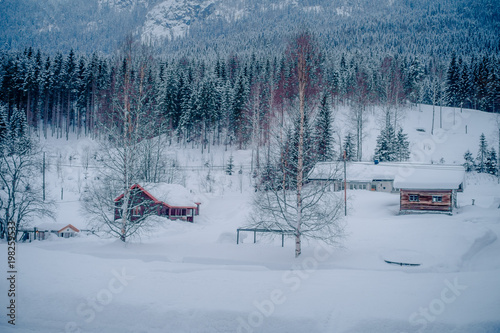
[424, 27]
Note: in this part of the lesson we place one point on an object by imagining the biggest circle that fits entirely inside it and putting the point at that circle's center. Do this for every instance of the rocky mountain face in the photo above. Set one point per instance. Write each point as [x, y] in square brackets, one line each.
[402, 26]
[172, 18]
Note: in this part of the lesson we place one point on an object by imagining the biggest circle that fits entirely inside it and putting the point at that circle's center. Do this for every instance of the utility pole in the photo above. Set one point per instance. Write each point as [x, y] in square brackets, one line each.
[345, 185]
[43, 177]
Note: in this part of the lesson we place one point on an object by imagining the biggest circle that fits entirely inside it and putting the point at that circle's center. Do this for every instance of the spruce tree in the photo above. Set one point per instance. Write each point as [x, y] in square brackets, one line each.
[349, 147]
[464, 85]
[453, 82]
[230, 166]
[386, 143]
[469, 161]
[491, 164]
[402, 147]
[323, 135]
[482, 154]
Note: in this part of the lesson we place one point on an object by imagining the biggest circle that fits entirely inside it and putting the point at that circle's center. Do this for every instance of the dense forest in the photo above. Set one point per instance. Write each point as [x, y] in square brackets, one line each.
[198, 98]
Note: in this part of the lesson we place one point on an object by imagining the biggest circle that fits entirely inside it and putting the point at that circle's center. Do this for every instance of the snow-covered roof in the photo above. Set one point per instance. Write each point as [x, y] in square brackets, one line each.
[443, 178]
[55, 227]
[405, 175]
[171, 194]
[326, 171]
[356, 171]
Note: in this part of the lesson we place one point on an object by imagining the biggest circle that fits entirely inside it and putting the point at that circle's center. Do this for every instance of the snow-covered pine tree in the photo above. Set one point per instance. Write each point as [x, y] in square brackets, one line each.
[482, 154]
[349, 147]
[385, 150]
[491, 162]
[469, 164]
[402, 147]
[230, 166]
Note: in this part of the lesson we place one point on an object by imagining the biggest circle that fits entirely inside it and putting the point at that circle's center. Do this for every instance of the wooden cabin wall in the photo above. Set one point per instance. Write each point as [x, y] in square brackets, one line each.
[425, 200]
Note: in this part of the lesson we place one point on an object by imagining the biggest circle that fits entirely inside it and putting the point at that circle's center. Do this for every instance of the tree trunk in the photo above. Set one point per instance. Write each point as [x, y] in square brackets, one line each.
[433, 115]
[300, 154]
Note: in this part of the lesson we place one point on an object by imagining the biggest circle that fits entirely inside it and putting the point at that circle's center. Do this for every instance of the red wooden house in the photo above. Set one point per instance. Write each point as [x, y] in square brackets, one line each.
[168, 200]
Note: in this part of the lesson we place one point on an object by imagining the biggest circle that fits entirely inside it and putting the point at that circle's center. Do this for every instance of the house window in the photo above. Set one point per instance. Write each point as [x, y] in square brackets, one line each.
[136, 211]
[414, 198]
[437, 198]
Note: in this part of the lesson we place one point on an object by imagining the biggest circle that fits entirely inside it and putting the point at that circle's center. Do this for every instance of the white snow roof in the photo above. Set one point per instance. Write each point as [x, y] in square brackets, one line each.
[51, 226]
[405, 175]
[327, 171]
[171, 194]
[356, 171]
[444, 178]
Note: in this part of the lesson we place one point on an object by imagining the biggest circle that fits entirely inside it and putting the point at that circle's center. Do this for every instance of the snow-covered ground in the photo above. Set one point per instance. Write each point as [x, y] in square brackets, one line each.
[184, 277]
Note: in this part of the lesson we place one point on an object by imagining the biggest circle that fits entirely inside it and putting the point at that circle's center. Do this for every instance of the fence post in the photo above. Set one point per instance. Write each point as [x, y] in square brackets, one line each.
[237, 236]
[254, 236]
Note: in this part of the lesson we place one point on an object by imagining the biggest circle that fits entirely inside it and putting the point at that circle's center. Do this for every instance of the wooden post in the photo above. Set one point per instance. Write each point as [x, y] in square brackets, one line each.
[345, 185]
[282, 239]
[254, 236]
[43, 178]
[237, 236]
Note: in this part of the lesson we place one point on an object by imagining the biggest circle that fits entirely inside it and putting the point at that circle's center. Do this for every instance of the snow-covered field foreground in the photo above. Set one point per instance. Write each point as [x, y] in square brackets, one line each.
[186, 277]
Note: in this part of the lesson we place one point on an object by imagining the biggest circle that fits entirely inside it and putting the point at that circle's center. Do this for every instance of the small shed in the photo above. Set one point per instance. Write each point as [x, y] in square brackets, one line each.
[68, 231]
[172, 201]
[44, 230]
[430, 189]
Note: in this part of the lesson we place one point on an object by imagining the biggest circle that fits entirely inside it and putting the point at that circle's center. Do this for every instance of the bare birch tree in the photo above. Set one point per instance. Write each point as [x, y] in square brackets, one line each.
[320, 211]
[130, 145]
[289, 204]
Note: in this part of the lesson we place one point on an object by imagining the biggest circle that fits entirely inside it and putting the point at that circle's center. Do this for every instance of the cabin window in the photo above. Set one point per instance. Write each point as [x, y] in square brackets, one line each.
[437, 198]
[414, 198]
[136, 211]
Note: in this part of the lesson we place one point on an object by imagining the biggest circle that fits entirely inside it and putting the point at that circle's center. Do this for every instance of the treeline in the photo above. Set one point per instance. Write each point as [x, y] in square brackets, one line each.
[226, 100]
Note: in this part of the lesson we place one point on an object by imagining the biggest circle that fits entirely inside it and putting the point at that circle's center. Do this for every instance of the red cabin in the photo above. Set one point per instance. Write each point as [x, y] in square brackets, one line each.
[172, 201]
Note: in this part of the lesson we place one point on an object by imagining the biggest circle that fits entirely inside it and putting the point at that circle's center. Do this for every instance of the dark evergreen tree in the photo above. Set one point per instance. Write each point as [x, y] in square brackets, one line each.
[323, 132]
[453, 82]
[482, 154]
[493, 88]
[239, 123]
[464, 86]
